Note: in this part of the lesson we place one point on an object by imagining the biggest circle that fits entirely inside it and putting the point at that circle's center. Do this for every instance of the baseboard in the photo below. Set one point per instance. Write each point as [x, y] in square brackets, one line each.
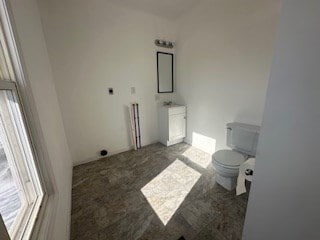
[173, 142]
[188, 141]
[95, 158]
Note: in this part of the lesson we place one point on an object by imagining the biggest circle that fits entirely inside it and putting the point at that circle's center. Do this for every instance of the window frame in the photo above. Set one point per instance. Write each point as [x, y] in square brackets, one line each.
[43, 218]
[21, 155]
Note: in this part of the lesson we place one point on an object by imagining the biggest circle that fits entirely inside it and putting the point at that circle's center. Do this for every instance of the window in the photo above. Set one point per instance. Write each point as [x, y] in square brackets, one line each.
[21, 188]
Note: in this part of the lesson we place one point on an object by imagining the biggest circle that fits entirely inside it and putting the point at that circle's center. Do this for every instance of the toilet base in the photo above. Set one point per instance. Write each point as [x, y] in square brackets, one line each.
[229, 183]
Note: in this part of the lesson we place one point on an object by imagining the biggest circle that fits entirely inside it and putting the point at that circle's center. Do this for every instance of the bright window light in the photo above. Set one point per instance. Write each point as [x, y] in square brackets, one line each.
[207, 147]
[167, 191]
[204, 143]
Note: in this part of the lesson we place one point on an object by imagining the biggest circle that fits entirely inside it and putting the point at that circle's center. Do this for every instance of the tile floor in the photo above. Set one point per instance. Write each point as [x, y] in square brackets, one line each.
[154, 193]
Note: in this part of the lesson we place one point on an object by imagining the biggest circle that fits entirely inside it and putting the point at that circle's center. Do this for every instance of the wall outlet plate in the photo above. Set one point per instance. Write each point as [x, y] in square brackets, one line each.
[133, 90]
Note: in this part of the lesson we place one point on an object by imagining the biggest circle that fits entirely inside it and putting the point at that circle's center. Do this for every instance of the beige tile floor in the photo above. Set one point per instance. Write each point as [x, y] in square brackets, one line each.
[154, 193]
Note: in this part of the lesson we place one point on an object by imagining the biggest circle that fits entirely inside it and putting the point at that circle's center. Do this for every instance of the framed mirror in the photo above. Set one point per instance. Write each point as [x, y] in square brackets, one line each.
[165, 72]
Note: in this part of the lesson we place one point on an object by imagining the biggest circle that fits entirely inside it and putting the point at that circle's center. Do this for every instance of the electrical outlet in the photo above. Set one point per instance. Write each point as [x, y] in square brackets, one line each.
[133, 90]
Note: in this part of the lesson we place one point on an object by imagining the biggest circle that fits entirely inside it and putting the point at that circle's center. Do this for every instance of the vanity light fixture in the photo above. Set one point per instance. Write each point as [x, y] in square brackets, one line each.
[164, 43]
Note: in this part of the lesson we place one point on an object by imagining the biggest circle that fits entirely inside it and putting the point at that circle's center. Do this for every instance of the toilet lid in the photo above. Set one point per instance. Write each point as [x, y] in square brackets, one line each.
[229, 158]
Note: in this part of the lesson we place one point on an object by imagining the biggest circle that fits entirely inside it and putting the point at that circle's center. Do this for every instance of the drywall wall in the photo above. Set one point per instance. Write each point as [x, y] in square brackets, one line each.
[224, 53]
[38, 71]
[94, 45]
[284, 198]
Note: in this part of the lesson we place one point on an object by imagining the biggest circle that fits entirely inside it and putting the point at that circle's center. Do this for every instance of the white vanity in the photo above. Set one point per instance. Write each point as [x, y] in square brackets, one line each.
[172, 124]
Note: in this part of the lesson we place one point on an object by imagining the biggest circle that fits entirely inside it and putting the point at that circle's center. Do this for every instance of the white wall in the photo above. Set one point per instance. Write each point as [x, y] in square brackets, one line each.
[224, 52]
[284, 199]
[38, 70]
[94, 45]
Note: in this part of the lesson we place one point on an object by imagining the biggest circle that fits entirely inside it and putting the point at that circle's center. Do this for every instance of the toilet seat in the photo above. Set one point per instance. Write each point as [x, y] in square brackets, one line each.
[229, 159]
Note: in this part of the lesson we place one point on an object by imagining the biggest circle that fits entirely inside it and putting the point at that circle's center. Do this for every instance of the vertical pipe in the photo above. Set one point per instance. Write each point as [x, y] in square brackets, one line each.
[133, 133]
[139, 135]
[135, 125]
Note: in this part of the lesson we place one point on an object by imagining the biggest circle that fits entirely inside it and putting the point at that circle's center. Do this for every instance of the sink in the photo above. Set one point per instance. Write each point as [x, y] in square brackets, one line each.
[171, 105]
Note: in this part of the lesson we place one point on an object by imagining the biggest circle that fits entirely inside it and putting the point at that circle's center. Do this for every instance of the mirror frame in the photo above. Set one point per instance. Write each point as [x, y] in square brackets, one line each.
[172, 71]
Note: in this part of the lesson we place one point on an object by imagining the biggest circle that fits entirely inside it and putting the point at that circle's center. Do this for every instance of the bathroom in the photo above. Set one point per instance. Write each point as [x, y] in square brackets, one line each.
[105, 56]
[161, 119]
[221, 68]
[222, 57]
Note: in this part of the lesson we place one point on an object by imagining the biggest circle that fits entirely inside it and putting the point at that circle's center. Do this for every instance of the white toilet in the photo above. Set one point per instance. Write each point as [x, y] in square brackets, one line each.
[242, 139]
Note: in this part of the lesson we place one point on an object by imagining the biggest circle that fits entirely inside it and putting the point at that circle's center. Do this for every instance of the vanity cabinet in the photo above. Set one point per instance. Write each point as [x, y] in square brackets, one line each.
[172, 124]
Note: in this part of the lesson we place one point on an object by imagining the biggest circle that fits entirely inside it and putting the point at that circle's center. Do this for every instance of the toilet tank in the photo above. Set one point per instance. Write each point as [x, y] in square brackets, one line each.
[243, 137]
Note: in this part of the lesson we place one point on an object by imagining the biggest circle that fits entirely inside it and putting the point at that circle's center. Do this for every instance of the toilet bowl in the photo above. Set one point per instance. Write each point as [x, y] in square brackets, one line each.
[226, 164]
[242, 139]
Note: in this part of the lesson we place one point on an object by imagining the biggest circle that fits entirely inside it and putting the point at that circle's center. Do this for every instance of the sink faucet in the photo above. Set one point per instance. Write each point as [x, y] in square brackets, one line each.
[167, 103]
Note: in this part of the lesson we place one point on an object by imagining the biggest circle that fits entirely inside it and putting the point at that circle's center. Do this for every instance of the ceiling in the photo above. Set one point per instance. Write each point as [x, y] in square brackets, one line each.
[171, 9]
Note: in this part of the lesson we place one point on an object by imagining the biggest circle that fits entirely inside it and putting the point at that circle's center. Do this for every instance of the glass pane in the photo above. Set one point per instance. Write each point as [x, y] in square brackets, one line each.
[10, 200]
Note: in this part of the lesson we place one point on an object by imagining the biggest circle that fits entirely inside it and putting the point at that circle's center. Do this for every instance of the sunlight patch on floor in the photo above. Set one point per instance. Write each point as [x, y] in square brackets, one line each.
[200, 158]
[167, 191]
[206, 147]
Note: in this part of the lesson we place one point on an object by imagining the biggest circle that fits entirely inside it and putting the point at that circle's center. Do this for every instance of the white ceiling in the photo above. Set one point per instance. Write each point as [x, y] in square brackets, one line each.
[171, 9]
